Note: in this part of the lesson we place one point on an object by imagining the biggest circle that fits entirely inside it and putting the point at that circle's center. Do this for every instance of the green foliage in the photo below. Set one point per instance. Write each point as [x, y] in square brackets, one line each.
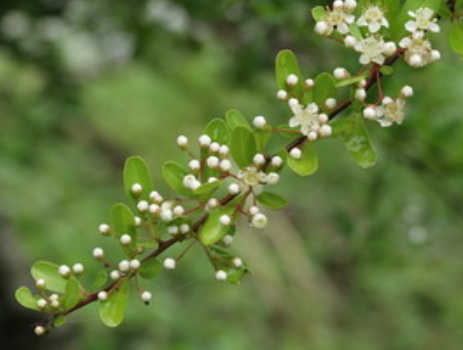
[136, 172]
[242, 146]
[324, 88]
[218, 131]
[173, 174]
[150, 269]
[308, 164]
[456, 37]
[235, 118]
[123, 222]
[25, 297]
[72, 293]
[271, 200]
[112, 310]
[213, 230]
[50, 273]
[286, 64]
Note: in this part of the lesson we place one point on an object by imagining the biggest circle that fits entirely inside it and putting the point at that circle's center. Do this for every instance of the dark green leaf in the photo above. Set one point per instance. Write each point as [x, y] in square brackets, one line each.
[271, 200]
[242, 146]
[150, 269]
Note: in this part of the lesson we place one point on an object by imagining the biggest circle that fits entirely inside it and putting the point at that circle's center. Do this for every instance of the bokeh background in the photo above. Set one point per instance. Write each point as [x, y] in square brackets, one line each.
[360, 260]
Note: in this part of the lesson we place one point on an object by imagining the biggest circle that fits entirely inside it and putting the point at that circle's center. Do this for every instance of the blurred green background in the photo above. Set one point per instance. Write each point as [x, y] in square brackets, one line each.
[360, 260]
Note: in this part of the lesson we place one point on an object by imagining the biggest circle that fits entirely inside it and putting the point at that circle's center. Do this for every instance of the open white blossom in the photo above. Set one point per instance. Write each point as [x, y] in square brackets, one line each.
[373, 18]
[336, 19]
[308, 119]
[419, 51]
[372, 49]
[391, 111]
[423, 20]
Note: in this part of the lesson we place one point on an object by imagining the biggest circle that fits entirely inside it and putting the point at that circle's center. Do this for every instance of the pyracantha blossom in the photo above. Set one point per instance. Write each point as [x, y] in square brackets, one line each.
[419, 51]
[372, 49]
[253, 177]
[423, 20]
[311, 122]
[391, 111]
[336, 19]
[373, 18]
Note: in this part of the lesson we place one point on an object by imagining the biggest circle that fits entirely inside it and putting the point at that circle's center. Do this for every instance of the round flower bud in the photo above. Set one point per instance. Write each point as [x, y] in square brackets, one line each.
[325, 131]
[155, 197]
[212, 179]
[40, 284]
[42, 303]
[214, 147]
[212, 203]
[78, 269]
[360, 94]
[277, 161]
[259, 220]
[137, 220]
[55, 304]
[167, 215]
[225, 165]
[234, 189]
[104, 229]
[124, 266]
[40, 330]
[338, 4]
[282, 95]
[362, 83]
[115, 275]
[295, 153]
[179, 210]
[254, 210]
[237, 262]
[390, 48]
[292, 80]
[259, 122]
[416, 61]
[184, 228]
[64, 270]
[136, 189]
[204, 141]
[227, 240]
[143, 206]
[154, 209]
[340, 73]
[98, 253]
[435, 55]
[172, 230]
[323, 118]
[322, 28]
[224, 150]
[259, 159]
[369, 113]
[407, 91]
[309, 83]
[102, 296]
[212, 162]
[225, 220]
[146, 297]
[273, 178]
[135, 264]
[350, 41]
[293, 102]
[125, 239]
[169, 263]
[330, 103]
[194, 165]
[350, 5]
[312, 136]
[182, 141]
[221, 275]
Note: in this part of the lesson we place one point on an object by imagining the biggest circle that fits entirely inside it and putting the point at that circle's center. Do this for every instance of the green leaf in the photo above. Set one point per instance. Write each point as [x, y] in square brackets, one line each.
[173, 174]
[235, 276]
[217, 129]
[324, 88]
[392, 9]
[72, 294]
[59, 321]
[286, 64]
[387, 70]
[150, 269]
[358, 143]
[136, 171]
[262, 137]
[308, 164]
[112, 311]
[318, 13]
[271, 200]
[235, 118]
[205, 191]
[355, 31]
[351, 80]
[49, 272]
[456, 37]
[213, 230]
[242, 146]
[25, 297]
[99, 279]
[123, 221]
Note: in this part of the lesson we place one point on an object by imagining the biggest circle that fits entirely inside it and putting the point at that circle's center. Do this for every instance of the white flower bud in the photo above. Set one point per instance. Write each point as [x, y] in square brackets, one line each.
[221, 275]
[295, 153]
[253, 210]
[350, 5]
[416, 61]
[435, 55]
[309, 83]
[104, 229]
[362, 83]
[115, 275]
[41, 284]
[42, 303]
[124, 266]
[340, 73]
[55, 304]
[170, 263]
[214, 147]
[53, 297]
[212, 179]
[194, 165]
[98, 253]
[146, 297]
[292, 80]
[154, 209]
[259, 159]
[155, 197]
[225, 165]
[259, 220]
[390, 48]
[143, 206]
[272, 178]
[293, 102]
[237, 262]
[172, 230]
[212, 203]
[407, 91]
[204, 141]
[325, 131]
[135, 264]
[137, 221]
[233, 189]
[350, 41]
[360, 94]
[125, 239]
[78, 269]
[40, 330]
[338, 4]
[224, 150]
[277, 161]
[330, 103]
[225, 220]
[185, 228]
[282, 95]
[64, 270]
[323, 118]
[179, 210]
[312, 136]
[167, 215]
[102, 296]
[369, 113]
[182, 141]
[213, 162]
[136, 189]
[259, 122]
[227, 240]
[322, 28]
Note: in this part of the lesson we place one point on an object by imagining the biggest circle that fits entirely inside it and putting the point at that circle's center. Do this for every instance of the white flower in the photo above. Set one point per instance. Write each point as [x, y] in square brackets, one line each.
[272, 178]
[259, 159]
[204, 141]
[182, 141]
[373, 18]
[143, 206]
[292, 80]
[306, 118]
[184, 228]
[259, 221]
[225, 220]
[115, 275]
[309, 83]
[225, 165]
[169, 263]
[391, 111]
[124, 266]
[338, 18]
[104, 229]
[214, 147]
[419, 51]
[423, 21]
[251, 177]
[254, 210]
[102, 295]
[370, 113]
[41, 303]
[407, 91]
[41, 283]
[126, 239]
[40, 330]
[135, 264]
[227, 240]
[372, 49]
[237, 262]
[234, 189]
[213, 162]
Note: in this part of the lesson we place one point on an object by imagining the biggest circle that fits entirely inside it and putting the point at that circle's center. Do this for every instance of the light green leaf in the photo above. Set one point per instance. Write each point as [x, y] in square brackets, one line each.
[318, 13]
[136, 171]
[235, 276]
[112, 311]
[205, 191]
[25, 297]
[213, 230]
[217, 129]
[456, 37]
[387, 70]
[59, 321]
[351, 80]
[99, 279]
[236, 118]
[286, 64]
[308, 164]
[72, 294]
[271, 200]
[49, 272]
[242, 146]
[173, 174]
[324, 88]
[150, 269]
[262, 137]
[123, 221]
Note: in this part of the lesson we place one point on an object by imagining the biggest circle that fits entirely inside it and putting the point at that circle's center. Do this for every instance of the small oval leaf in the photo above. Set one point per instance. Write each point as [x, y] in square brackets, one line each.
[112, 310]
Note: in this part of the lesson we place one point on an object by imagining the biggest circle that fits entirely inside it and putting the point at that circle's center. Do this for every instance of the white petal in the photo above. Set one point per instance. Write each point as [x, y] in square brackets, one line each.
[365, 59]
[349, 18]
[405, 42]
[434, 27]
[361, 21]
[312, 108]
[379, 59]
[385, 22]
[343, 28]
[411, 26]
[374, 27]
[412, 14]
[293, 122]
[384, 123]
